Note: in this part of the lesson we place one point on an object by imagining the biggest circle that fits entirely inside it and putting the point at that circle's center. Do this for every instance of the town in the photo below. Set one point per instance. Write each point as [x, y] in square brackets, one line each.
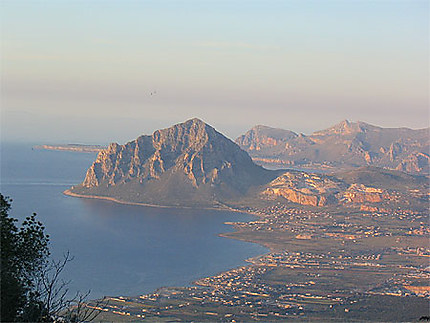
[323, 264]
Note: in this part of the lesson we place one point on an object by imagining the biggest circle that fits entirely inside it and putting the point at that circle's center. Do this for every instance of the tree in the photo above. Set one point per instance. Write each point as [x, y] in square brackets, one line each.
[24, 252]
[31, 287]
[52, 292]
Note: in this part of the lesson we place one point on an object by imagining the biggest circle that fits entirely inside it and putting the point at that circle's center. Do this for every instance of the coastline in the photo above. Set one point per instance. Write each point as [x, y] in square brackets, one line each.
[72, 148]
[112, 199]
[221, 208]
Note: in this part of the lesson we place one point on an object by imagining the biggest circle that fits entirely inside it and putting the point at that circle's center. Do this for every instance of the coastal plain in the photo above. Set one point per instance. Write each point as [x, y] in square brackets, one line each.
[330, 265]
[346, 245]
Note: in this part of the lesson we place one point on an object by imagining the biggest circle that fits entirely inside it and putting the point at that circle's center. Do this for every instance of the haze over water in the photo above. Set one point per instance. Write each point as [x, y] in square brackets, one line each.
[118, 249]
[103, 71]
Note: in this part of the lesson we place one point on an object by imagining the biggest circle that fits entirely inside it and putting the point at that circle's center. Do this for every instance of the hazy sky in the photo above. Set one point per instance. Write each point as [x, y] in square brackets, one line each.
[83, 71]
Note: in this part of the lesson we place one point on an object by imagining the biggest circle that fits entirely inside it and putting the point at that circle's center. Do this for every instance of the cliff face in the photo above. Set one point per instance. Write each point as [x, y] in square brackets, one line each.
[187, 161]
[345, 145]
[367, 188]
[298, 197]
[305, 188]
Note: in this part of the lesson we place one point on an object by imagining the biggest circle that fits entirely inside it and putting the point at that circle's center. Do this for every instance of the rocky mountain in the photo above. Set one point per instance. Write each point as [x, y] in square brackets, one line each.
[191, 164]
[305, 188]
[345, 145]
[366, 188]
[188, 164]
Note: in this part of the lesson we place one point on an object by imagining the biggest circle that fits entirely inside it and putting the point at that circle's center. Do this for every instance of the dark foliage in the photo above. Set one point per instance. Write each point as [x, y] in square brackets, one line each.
[31, 287]
[24, 252]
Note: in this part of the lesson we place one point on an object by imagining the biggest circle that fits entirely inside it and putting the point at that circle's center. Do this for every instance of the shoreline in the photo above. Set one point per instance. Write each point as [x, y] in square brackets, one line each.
[68, 192]
[221, 208]
[223, 234]
[72, 147]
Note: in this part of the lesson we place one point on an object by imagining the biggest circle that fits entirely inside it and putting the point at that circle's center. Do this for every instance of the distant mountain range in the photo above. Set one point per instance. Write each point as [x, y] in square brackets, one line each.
[192, 164]
[346, 145]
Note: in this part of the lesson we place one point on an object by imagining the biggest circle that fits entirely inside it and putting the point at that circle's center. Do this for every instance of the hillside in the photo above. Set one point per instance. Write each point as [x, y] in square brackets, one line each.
[366, 188]
[345, 145]
[188, 164]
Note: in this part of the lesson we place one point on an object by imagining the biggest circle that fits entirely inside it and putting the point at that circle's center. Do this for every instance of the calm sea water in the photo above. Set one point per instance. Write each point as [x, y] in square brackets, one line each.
[118, 249]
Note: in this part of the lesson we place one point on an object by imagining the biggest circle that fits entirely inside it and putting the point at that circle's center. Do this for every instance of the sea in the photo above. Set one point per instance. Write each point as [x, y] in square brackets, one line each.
[117, 249]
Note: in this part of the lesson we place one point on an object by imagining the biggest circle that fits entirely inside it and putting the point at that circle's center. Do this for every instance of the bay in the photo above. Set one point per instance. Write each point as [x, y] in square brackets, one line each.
[118, 249]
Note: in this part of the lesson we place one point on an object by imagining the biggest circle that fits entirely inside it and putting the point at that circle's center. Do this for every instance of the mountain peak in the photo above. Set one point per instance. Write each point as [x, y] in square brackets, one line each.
[343, 127]
[192, 134]
[261, 135]
[188, 163]
[196, 121]
[348, 127]
[261, 127]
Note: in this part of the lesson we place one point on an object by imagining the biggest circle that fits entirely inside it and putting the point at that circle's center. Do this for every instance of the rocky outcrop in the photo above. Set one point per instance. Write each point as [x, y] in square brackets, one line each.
[345, 145]
[297, 196]
[394, 150]
[187, 161]
[369, 208]
[305, 188]
[359, 193]
[367, 188]
[415, 163]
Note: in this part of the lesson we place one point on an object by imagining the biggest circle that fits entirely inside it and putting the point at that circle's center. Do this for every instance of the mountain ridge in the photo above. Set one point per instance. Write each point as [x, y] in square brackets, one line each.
[192, 165]
[345, 145]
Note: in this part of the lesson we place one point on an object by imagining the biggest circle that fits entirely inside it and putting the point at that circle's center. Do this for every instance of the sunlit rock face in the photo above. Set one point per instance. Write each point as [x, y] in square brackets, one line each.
[185, 159]
[306, 188]
[364, 188]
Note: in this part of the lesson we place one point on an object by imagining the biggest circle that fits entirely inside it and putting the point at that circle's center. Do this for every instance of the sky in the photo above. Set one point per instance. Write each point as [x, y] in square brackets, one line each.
[83, 71]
